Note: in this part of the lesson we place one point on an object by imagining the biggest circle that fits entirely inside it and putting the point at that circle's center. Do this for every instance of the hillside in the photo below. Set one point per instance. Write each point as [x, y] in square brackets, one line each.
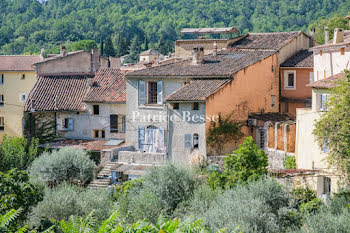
[28, 25]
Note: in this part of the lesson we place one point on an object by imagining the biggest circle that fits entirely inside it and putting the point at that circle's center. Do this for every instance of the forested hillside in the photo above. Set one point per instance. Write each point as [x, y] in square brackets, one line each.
[28, 25]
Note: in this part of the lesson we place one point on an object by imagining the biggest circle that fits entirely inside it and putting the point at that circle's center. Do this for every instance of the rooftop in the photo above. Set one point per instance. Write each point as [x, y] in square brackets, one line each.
[18, 62]
[84, 144]
[271, 116]
[149, 52]
[209, 30]
[303, 58]
[328, 82]
[330, 43]
[108, 85]
[59, 56]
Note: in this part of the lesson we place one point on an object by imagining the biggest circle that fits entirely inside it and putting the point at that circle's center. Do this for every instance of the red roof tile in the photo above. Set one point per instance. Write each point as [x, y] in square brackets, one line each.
[327, 82]
[271, 116]
[18, 63]
[59, 92]
[108, 85]
[83, 144]
[303, 58]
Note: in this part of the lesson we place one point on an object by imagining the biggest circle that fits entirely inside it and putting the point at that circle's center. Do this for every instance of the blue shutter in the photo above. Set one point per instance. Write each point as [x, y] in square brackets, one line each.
[159, 92]
[70, 123]
[188, 141]
[142, 92]
[141, 137]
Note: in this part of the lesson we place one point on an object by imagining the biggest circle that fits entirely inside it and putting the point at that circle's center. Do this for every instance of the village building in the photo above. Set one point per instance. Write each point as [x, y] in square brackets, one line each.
[330, 60]
[17, 78]
[150, 55]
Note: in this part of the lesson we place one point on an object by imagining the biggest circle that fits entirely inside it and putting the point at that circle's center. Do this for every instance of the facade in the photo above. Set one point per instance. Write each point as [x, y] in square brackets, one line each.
[150, 56]
[17, 78]
[330, 60]
[241, 79]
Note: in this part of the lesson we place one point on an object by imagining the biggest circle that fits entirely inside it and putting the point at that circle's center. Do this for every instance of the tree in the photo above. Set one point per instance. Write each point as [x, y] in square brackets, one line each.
[109, 48]
[101, 47]
[17, 153]
[84, 45]
[333, 127]
[134, 50]
[145, 43]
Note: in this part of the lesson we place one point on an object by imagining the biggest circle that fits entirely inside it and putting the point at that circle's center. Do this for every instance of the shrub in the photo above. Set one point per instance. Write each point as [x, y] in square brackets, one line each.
[289, 162]
[311, 206]
[66, 164]
[66, 200]
[259, 206]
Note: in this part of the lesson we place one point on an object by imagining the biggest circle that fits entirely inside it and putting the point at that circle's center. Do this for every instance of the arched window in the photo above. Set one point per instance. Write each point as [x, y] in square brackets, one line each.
[195, 140]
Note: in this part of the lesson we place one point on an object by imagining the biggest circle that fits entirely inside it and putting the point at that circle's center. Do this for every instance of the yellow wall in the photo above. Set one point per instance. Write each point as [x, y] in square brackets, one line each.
[13, 108]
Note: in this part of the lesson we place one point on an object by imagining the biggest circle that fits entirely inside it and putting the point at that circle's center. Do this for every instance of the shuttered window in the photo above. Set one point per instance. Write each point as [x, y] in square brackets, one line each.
[141, 137]
[123, 124]
[152, 93]
[142, 92]
[159, 92]
[114, 123]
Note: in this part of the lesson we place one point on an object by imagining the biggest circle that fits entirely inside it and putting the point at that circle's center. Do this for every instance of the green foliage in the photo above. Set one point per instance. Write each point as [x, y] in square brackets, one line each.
[311, 206]
[248, 162]
[109, 48]
[66, 164]
[134, 50]
[39, 125]
[223, 131]
[289, 162]
[84, 45]
[16, 152]
[66, 200]
[7, 218]
[333, 127]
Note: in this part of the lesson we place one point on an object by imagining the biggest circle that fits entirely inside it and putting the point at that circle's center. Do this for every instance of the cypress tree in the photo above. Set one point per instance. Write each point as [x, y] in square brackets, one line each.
[109, 48]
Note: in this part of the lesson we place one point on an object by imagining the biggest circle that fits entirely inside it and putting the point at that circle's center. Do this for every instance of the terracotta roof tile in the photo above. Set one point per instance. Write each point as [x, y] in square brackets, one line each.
[197, 90]
[327, 82]
[18, 63]
[59, 92]
[273, 40]
[108, 85]
[149, 52]
[303, 58]
[271, 116]
[224, 64]
[83, 144]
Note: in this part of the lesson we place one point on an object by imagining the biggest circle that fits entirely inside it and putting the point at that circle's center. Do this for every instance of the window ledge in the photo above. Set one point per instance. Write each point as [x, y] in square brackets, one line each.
[150, 106]
[289, 88]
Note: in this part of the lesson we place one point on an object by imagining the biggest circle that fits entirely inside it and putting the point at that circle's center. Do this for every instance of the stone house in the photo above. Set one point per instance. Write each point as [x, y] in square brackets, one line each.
[330, 60]
[150, 55]
[17, 78]
[165, 103]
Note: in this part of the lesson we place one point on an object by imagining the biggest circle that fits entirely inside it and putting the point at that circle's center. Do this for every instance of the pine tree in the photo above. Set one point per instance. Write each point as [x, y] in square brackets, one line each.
[134, 50]
[145, 44]
[101, 47]
[109, 48]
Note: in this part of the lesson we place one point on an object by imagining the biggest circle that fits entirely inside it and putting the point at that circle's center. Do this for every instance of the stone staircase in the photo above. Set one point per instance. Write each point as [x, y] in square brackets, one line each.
[103, 178]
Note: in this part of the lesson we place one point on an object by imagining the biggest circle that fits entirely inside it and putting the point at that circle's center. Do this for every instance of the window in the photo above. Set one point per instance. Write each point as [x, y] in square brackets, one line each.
[152, 92]
[2, 123]
[342, 51]
[67, 123]
[289, 79]
[151, 139]
[114, 123]
[103, 134]
[323, 102]
[273, 101]
[96, 132]
[123, 124]
[286, 107]
[195, 106]
[188, 141]
[195, 140]
[176, 106]
[23, 77]
[1, 79]
[2, 100]
[96, 109]
[326, 185]
[22, 97]
[311, 77]
[99, 133]
[262, 135]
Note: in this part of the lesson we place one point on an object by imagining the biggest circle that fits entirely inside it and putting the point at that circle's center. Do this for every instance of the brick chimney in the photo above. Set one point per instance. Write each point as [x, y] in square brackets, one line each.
[63, 50]
[95, 60]
[195, 56]
[338, 35]
[326, 35]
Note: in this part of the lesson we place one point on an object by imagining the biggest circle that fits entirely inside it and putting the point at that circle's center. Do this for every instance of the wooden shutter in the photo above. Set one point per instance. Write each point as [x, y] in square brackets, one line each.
[70, 124]
[141, 137]
[142, 92]
[159, 92]
[188, 141]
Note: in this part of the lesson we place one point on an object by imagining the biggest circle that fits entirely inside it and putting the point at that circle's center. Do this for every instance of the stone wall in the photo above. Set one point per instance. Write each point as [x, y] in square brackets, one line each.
[142, 157]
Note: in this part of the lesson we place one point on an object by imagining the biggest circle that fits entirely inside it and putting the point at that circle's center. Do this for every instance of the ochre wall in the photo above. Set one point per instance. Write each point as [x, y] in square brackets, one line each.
[291, 133]
[302, 79]
[249, 92]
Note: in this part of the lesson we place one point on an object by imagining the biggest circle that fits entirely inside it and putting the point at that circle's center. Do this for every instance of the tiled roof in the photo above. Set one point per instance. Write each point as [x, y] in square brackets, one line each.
[59, 92]
[197, 90]
[108, 85]
[59, 56]
[83, 144]
[294, 100]
[224, 64]
[149, 52]
[274, 40]
[303, 58]
[271, 116]
[330, 43]
[18, 63]
[327, 82]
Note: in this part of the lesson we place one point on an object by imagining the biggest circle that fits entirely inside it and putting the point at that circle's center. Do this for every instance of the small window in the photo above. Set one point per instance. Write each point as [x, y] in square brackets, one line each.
[342, 51]
[23, 77]
[152, 92]
[2, 100]
[176, 106]
[2, 123]
[286, 107]
[99, 133]
[22, 97]
[195, 106]
[68, 123]
[96, 132]
[195, 140]
[326, 185]
[123, 124]
[273, 101]
[188, 143]
[114, 123]
[262, 136]
[96, 109]
[103, 134]
[289, 79]
[1, 79]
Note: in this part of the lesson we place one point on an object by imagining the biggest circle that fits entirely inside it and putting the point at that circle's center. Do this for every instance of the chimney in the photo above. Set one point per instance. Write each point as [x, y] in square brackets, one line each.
[215, 49]
[195, 56]
[201, 55]
[95, 60]
[42, 53]
[338, 35]
[312, 37]
[326, 35]
[63, 50]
